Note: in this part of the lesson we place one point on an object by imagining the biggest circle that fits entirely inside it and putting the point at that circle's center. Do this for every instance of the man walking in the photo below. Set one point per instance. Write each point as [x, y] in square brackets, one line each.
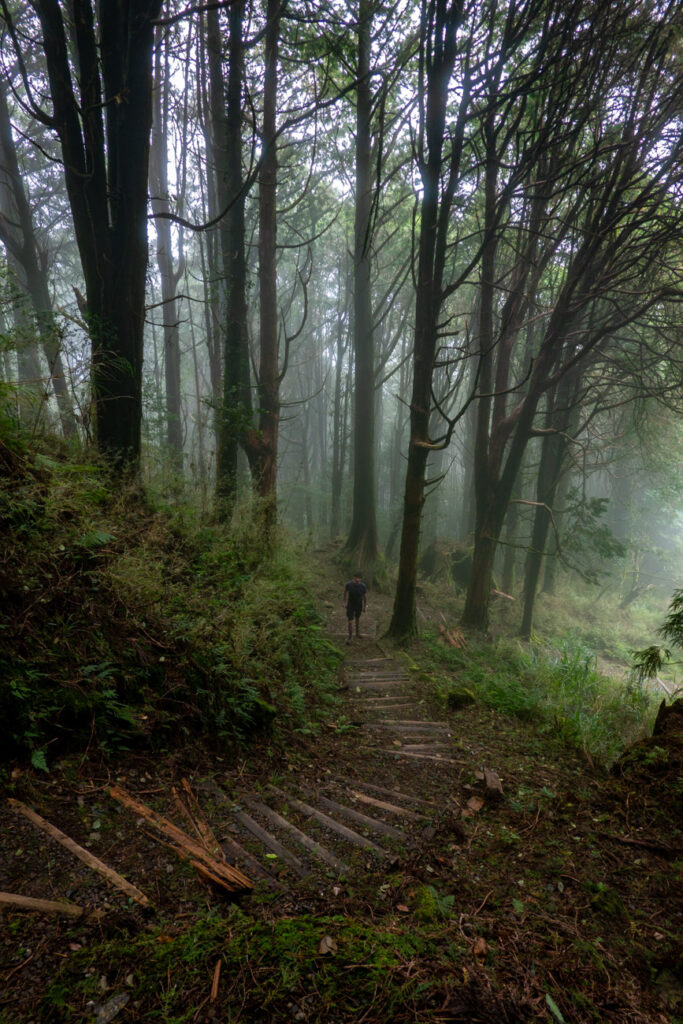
[355, 599]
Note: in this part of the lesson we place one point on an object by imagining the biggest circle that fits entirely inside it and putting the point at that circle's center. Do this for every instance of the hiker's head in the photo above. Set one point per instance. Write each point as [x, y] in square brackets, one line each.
[358, 575]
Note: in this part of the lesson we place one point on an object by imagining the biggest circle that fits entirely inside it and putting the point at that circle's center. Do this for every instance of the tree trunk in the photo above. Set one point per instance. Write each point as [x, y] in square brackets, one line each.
[168, 274]
[438, 42]
[18, 235]
[226, 115]
[362, 540]
[507, 581]
[106, 170]
[339, 408]
[263, 447]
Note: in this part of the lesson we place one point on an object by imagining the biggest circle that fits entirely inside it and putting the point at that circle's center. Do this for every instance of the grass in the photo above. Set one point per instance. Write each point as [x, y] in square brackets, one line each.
[267, 968]
[557, 689]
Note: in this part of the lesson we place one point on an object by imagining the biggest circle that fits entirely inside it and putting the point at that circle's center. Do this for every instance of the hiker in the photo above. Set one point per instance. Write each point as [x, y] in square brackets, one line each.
[356, 600]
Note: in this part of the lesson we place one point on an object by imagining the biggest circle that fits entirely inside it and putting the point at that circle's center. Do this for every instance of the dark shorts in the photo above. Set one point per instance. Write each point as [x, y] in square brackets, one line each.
[353, 611]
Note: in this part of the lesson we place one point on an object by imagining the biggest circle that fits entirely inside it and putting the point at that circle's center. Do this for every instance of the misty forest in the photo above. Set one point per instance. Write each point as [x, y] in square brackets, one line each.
[341, 467]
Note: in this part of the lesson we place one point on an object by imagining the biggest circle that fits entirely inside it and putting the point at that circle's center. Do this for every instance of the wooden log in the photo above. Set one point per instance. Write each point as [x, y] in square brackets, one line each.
[231, 878]
[360, 819]
[11, 899]
[229, 844]
[118, 881]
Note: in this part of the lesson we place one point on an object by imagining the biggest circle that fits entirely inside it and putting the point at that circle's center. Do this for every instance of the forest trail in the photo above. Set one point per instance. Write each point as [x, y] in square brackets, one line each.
[410, 861]
[339, 821]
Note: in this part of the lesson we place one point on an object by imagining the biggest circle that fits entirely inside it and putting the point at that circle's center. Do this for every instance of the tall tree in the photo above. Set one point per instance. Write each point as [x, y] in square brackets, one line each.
[605, 229]
[440, 22]
[169, 273]
[362, 539]
[102, 114]
[235, 412]
[262, 444]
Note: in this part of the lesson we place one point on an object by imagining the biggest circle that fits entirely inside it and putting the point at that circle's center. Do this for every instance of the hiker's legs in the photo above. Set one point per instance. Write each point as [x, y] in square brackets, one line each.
[357, 624]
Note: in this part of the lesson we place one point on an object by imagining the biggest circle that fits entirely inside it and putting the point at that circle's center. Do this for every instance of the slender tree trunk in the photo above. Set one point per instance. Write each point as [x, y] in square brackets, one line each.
[510, 556]
[262, 448]
[487, 458]
[31, 392]
[18, 234]
[561, 413]
[552, 561]
[226, 114]
[168, 274]
[339, 429]
[362, 540]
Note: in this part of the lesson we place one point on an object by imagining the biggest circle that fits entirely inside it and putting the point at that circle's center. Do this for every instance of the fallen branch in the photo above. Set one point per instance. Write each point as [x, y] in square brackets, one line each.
[225, 875]
[11, 899]
[216, 981]
[118, 881]
[202, 826]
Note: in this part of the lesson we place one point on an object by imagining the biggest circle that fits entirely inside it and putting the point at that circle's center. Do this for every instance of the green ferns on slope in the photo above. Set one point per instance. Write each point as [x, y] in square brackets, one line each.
[125, 623]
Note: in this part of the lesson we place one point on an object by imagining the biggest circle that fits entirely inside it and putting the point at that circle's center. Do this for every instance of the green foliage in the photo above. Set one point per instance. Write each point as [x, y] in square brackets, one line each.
[590, 544]
[558, 690]
[431, 905]
[125, 622]
[648, 662]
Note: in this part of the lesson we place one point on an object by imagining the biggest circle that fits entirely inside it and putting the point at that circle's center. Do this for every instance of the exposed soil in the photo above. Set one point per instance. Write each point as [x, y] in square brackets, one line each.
[558, 900]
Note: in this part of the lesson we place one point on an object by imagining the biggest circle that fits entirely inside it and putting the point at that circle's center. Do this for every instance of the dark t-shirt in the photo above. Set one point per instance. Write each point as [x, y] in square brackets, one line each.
[355, 593]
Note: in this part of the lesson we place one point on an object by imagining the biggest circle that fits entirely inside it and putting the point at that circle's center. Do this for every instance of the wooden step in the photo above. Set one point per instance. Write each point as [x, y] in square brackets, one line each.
[384, 806]
[270, 842]
[394, 794]
[313, 847]
[360, 819]
[400, 752]
[328, 822]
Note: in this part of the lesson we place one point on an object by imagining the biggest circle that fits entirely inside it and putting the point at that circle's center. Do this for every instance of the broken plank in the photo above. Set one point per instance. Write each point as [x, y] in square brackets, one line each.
[409, 731]
[232, 878]
[238, 853]
[93, 862]
[427, 748]
[331, 823]
[11, 899]
[205, 831]
[358, 685]
[319, 851]
[383, 806]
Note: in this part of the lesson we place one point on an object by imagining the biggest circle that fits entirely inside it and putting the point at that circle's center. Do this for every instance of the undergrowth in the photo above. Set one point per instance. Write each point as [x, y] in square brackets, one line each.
[126, 622]
[558, 690]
